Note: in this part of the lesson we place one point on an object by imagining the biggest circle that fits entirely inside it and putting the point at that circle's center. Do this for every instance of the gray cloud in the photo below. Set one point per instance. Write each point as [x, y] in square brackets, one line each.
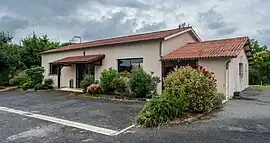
[124, 3]
[96, 19]
[215, 21]
[11, 24]
[109, 27]
[264, 36]
[151, 27]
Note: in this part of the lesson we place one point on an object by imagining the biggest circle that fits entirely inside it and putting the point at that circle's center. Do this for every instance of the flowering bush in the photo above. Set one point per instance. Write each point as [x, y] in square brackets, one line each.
[209, 75]
[94, 89]
[199, 87]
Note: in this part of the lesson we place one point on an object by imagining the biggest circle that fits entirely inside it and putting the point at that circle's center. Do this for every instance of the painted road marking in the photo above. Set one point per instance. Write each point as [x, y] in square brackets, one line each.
[87, 127]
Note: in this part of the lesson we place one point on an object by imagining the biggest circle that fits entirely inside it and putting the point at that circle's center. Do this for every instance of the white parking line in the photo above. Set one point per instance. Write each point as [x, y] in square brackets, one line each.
[87, 127]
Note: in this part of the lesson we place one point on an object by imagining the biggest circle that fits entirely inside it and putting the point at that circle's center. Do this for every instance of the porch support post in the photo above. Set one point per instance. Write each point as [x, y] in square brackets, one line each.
[59, 68]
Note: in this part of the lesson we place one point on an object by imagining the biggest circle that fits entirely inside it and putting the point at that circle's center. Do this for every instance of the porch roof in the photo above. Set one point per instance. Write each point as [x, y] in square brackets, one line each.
[80, 59]
[211, 49]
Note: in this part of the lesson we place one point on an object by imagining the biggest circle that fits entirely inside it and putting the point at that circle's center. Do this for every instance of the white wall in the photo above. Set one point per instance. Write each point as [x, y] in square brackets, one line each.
[148, 50]
[177, 42]
[218, 66]
[237, 83]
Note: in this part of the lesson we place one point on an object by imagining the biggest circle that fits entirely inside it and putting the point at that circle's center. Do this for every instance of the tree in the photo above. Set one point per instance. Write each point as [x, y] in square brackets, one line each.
[256, 47]
[5, 37]
[260, 72]
[32, 48]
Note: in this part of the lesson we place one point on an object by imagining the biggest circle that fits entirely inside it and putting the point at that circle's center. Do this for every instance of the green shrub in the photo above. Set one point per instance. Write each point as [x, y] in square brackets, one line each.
[121, 85]
[140, 83]
[162, 109]
[154, 82]
[87, 80]
[19, 79]
[94, 89]
[4, 78]
[35, 74]
[48, 83]
[200, 89]
[28, 85]
[40, 86]
[107, 80]
[217, 100]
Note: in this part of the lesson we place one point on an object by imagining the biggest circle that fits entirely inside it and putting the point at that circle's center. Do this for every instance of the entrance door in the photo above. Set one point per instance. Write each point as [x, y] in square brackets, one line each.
[81, 70]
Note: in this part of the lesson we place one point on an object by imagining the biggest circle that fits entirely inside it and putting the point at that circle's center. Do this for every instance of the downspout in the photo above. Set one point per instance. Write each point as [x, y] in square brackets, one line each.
[162, 64]
[160, 49]
[228, 81]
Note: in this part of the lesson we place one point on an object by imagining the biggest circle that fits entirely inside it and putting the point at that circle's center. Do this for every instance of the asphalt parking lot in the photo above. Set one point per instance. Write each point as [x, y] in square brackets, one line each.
[244, 120]
[106, 114]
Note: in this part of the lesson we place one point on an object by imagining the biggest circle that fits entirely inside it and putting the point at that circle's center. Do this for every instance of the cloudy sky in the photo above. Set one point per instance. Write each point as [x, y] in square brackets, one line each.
[96, 19]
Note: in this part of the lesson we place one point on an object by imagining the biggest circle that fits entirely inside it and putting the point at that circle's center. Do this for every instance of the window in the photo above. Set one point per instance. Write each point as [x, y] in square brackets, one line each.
[129, 64]
[53, 69]
[241, 70]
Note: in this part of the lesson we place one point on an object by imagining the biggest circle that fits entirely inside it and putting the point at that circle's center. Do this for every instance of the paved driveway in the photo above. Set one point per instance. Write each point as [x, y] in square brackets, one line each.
[243, 121]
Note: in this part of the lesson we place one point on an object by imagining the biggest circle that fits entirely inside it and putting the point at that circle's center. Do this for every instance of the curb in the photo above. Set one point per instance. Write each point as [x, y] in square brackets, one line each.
[188, 120]
[8, 89]
[109, 98]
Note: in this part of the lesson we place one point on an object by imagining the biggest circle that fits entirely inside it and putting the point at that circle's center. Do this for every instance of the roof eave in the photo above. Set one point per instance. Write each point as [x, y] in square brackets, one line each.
[182, 32]
[48, 52]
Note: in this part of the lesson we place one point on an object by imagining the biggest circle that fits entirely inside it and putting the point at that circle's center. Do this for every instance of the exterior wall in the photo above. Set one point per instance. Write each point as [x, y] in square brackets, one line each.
[218, 66]
[177, 42]
[148, 50]
[237, 83]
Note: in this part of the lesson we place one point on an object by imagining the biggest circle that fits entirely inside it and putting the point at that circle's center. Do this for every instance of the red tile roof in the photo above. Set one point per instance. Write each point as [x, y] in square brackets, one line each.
[120, 40]
[80, 59]
[209, 49]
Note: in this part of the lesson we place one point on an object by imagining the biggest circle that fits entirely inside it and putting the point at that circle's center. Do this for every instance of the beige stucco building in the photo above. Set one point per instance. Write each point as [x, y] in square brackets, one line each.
[150, 51]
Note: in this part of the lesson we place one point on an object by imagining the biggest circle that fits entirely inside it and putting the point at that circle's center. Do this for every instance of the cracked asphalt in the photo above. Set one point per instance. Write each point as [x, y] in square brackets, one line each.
[243, 120]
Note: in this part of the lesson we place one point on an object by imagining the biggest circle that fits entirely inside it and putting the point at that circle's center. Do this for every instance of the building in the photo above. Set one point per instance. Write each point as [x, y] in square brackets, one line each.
[156, 52]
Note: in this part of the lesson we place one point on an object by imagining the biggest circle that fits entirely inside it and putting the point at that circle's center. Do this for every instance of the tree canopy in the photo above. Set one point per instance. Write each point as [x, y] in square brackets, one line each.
[259, 72]
[15, 58]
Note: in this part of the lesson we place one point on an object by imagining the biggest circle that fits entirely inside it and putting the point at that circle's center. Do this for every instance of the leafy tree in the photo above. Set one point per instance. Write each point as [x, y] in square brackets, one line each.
[256, 47]
[5, 37]
[15, 58]
[33, 46]
[260, 71]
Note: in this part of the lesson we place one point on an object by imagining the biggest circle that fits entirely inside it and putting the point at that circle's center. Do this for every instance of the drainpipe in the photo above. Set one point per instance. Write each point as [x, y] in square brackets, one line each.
[227, 84]
[162, 64]
[160, 49]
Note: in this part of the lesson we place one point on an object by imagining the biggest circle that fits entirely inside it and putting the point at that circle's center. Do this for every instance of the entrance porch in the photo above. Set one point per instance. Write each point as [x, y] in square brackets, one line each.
[78, 67]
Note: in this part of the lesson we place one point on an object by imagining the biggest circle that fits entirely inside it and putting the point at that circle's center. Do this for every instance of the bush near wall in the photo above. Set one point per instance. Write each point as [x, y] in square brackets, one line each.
[187, 90]
[107, 80]
[140, 83]
[199, 86]
[87, 81]
[136, 84]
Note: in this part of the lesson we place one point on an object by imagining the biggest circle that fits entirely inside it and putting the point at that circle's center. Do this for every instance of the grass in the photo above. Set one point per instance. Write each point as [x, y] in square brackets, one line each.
[259, 87]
